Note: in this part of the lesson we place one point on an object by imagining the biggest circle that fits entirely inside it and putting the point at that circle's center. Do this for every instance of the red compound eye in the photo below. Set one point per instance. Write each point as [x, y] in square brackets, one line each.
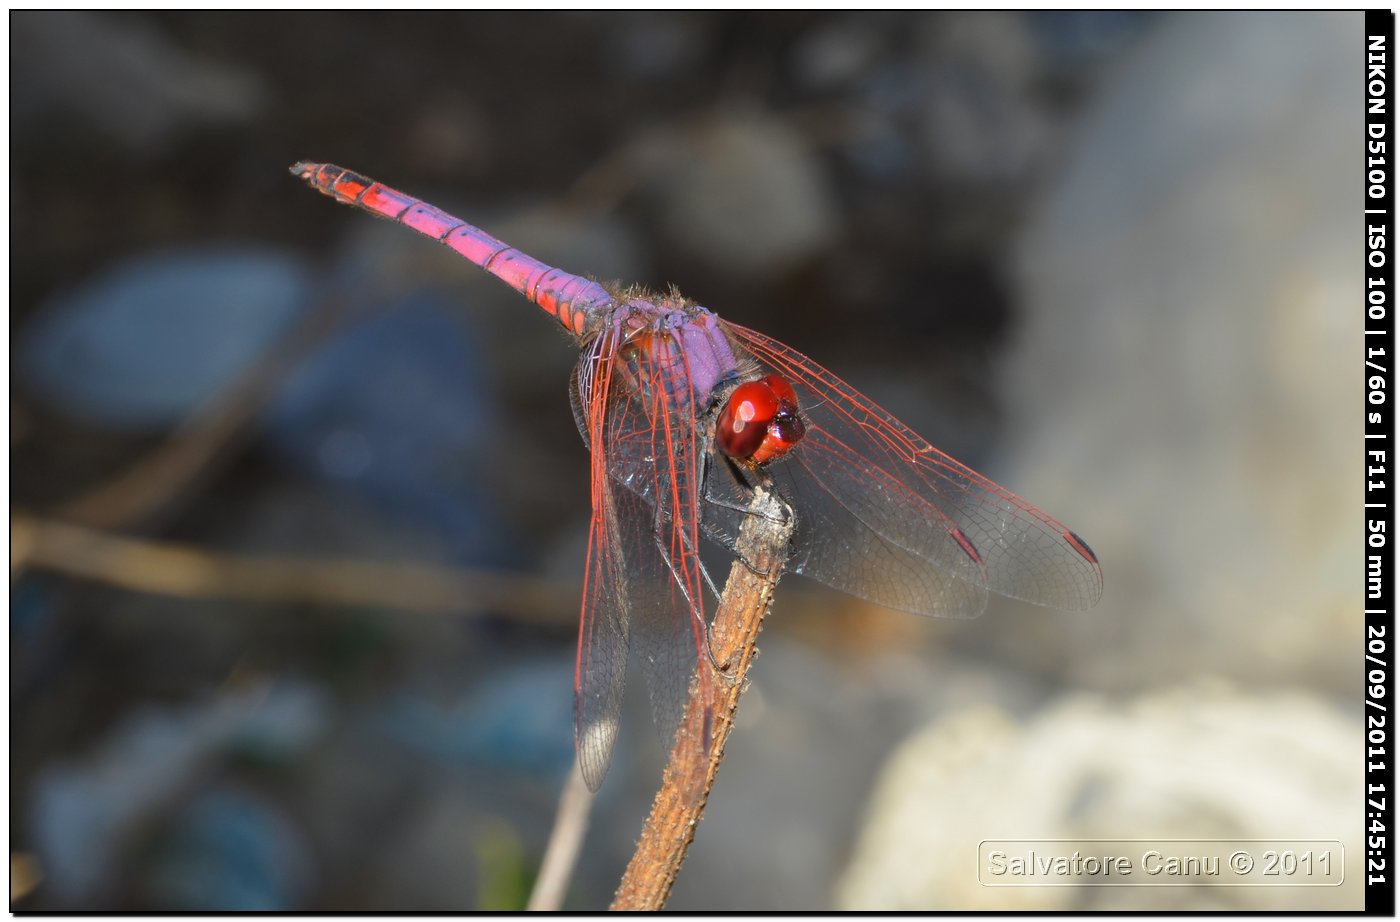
[760, 421]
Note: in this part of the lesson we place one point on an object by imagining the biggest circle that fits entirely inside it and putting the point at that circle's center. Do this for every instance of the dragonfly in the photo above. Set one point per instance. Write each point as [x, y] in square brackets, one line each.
[685, 415]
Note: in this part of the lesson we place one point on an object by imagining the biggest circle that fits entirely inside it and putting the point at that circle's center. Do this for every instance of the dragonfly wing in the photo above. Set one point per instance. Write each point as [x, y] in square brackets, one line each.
[601, 669]
[841, 540]
[877, 499]
[832, 541]
[644, 569]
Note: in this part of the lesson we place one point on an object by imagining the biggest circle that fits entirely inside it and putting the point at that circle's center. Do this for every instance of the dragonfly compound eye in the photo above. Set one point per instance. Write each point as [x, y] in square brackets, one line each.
[759, 422]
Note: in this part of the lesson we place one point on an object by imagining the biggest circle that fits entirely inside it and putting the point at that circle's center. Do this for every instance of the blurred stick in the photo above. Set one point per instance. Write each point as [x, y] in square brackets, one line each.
[680, 803]
[183, 571]
[560, 856]
[156, 480]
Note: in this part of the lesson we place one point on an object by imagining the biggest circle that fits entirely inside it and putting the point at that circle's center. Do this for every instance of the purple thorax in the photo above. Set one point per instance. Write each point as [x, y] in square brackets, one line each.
[686, 337]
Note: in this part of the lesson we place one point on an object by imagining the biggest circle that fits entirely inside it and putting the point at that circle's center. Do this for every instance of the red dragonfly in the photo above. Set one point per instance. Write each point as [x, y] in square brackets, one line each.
[684, 414]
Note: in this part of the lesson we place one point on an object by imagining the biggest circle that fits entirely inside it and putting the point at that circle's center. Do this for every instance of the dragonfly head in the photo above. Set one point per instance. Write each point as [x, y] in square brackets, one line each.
[760, 422]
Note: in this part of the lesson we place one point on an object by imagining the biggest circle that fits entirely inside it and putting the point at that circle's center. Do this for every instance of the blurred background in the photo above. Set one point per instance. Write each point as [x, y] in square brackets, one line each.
[299, 507]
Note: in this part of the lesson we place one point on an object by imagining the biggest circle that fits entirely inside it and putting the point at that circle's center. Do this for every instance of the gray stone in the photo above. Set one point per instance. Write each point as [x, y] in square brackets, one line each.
[748, 196]
[1200, 761]
[1184, 391]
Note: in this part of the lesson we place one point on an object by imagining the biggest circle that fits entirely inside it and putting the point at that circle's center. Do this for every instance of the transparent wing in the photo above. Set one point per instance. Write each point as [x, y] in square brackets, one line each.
[643, 571]
[877, 504]
[601, 669]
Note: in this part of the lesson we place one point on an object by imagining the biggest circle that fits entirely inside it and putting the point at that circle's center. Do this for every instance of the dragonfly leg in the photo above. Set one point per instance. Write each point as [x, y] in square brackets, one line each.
[748, 480]
[697, 608]
[696, 611]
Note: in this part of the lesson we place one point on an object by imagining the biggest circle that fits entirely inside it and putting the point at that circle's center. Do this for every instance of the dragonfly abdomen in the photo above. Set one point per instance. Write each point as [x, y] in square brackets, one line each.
[571, 299]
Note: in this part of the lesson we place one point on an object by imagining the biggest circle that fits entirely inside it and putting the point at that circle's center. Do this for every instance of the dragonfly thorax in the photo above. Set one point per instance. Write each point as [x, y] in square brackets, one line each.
[759, 422]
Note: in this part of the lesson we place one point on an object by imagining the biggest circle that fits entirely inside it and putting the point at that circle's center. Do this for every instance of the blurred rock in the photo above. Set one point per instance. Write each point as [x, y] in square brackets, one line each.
[836, 53]
[396, 408]
[140, 346]
[1073, 42]
[975, 87]
[651, 45]
[123, 79]
[1183, 390]
[1201, 761]
[228, 850]
[82, 812]
[747, 196]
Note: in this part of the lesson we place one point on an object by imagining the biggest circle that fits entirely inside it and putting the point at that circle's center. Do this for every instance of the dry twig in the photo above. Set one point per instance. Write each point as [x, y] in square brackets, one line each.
[680, 803]
[570, 823]
[180, 570]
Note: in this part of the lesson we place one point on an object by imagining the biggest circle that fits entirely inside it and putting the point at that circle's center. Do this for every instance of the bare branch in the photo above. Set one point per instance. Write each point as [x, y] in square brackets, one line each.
[185, 571]
[680, 803]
